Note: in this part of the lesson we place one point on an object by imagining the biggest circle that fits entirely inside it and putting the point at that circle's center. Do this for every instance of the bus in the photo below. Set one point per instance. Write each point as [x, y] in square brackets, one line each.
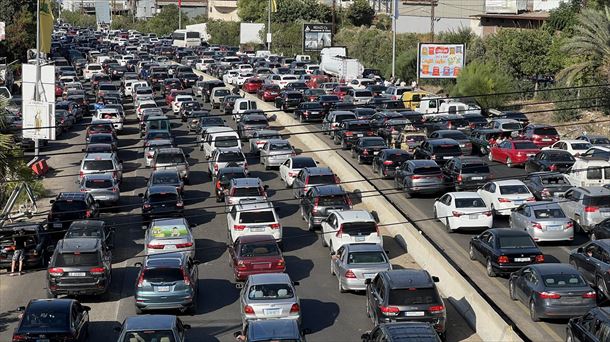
[186, 38]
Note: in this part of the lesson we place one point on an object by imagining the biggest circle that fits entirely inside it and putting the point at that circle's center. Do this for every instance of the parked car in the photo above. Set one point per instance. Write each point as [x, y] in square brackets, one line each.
[309, 111]
[223, 179]
[96, 229]
[103, 187]
[601, 230]
[366, 148]
[596, 140]
[503, 250]
[254, 219]
[290, 169]
[401, 331]
[38, 244]
[53, 320]
[438, 150]
[71, 206]
[513, 152]
[255, 254]
[309, 177]
[552, 291]
[459, 136]
[240, 190]
[166, 177]
[344, 226]
[541, 135]
[288, 100]
[223, 157]
[354, 263]
[574, 147]
[172, 158]
[260, 137]
[161, 201]
[462, 210]
[272, 329]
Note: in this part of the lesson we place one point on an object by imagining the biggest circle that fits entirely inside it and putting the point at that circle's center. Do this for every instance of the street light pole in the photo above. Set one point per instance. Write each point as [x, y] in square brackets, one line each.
[269, 27]
[394, 18]
[36, 90]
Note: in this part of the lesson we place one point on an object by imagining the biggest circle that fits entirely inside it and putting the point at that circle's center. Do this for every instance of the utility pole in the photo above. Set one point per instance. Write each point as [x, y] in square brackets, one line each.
[269, 26]
[432, 19]
[394, 19]
[334, 16]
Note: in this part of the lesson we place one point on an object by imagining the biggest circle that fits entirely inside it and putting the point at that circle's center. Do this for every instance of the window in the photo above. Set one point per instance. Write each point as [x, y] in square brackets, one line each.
[76, 260]
[257, 217]
[413, 296]
[563, 280]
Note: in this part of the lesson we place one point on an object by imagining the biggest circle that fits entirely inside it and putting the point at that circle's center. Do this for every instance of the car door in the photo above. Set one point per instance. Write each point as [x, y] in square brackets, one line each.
[589, 264]
[264, 153]
[519, 282]
[516, 218]
[478, 244]
[299, 183]
[339, 261]
[233, 253]
[284, 169]
[376, 294]
[442, 206]
[329, 228]
[486, 193]
[306, 203]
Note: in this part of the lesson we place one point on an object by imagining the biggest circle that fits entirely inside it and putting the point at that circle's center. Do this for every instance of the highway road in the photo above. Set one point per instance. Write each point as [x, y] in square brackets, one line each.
[330, 315]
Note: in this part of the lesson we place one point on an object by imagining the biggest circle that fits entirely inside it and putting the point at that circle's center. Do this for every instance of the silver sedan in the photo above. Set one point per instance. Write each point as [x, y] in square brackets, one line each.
[275, 152]
[354, 263]
[544, 221]
[169, 235]
[269, 296]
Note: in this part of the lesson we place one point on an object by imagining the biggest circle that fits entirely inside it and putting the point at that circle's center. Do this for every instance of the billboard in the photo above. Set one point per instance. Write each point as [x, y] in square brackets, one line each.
[440, 60]
[249, 33]
[38, 120]
[102, 12]
[317, 36]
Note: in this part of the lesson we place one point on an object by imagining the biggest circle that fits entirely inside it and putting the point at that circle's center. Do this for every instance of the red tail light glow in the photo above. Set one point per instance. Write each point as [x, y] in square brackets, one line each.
[248, 310]
[437, 309]
[503, 200]
[56, 272]
[502, 259]
[295, 308]
[350, 274]
[239, 227]
[591, 209]
[589, 295]
[389, 310]
[540, 258]
[97, 270]
[388, 162]
[274, 226]
[184, 245]
[457, 213]
[185, 276]
[151, 246]
[549, 295]
[536, 225]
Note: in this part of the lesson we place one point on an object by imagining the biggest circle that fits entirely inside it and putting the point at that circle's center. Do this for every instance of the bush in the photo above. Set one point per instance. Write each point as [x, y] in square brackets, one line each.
[479, 79]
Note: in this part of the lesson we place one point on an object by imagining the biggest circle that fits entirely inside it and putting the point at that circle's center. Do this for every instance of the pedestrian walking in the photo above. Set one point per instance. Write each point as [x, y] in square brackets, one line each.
[18, 255]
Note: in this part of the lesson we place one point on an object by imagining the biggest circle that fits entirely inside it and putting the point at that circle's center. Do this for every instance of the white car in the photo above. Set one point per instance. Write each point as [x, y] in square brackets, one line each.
[575, 147]
[240, 79]
[349, 226]
[178, 101]
[502, 196]
[253, 219]
[130, 85]
[203, 64]
[227, 78]
[144, 105]
[245, 68]
[291, 168]
[92, 69]
[462, 210]
[361, 83]
[111, 114]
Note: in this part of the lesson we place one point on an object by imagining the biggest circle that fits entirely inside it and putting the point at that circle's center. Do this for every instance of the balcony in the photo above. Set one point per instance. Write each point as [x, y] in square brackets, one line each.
[224, 3]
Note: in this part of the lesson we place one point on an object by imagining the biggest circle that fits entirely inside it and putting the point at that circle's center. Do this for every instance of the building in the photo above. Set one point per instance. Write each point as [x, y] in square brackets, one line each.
[191, 8]
[88, 6]
[225, 10]
[144, 8]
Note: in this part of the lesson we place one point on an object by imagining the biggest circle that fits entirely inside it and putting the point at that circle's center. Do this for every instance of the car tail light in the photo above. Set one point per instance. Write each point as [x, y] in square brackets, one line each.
[589, 295]
[502, 259]
[591, 209]
[81, 174]
[241, 266]
[416, 177]
[349, 134]
[460, 178]
[295, 308]
[115, 189]
[280, 263]
[180, 204]
[457, 213]
[350, 274]
[503, 200]
[274, 226]
[292, 174]
[155, 246]
[339, 233]
[487, 213]
[540, 258]
[239, 227]
[365, 152]
[314, 210]
[389, 310]
[248, 310]
[536, 225]
[553, 167]
[97, 270]
[545, 192]
[56, 272]
[184, 245]
[549, 295]
[569, 225]
[146, 206]
[435, 309]
[388, 162]
[88, 213]
[185, 276]
[19, 338]
[218, 185]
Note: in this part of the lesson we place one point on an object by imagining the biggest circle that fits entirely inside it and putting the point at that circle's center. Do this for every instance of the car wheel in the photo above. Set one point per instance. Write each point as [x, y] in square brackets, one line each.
[569, 337]
[509, 162]
[489, 268]
[343, 145]
[490, 157]
[332, 270]
[139, 311]
[374, 168]
[336, 140]
[533, 313]
[324, 244]
[341, 289]
[511, 290]
[51, 295]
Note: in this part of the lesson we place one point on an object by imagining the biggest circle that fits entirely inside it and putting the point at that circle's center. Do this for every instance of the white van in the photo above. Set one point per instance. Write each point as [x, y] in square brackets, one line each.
[241, 106]
[111, 114]
[91, 69]
[130, 85]
[218, 137]
[589, 172]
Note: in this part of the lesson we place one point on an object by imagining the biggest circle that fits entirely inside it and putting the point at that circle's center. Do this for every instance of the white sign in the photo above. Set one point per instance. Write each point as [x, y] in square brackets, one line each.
[249, 33]
[2, 31]
[39, 120]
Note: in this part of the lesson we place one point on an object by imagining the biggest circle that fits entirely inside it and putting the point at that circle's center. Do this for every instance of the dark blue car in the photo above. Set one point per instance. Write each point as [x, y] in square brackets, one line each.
[53, 320]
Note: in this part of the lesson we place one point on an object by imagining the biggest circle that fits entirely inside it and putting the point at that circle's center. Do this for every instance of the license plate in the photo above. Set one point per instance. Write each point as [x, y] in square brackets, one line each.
[477, 178]
[257, 229]
[447, 157]
[518, 202]
[375, 153]
[57, 225]
[359, 135]
[414, 313]
[163, 288]
[473, 216]
[571, 300]
[522, 259]
[555, 227]
[369, 275]
[606, 213]
[170, 247]
[547, 139]
[76, 274]
[359, 238]
[272, 312]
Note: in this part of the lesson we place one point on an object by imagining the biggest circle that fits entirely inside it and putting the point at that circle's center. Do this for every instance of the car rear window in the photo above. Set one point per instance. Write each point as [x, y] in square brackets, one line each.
[513, 190]
[548, 213]
[77, 259]
[170, 158]
[100, 139]
[42, 317]
[98, 165]
[469, 203]
[360, 126]
[162, 197]
[427, 170]
[580, 146]
[516, 242]
[563, 280]
[343, 117]
[249, 191]
[545, 131]
[294, 96]
[270, 291]
[332, 200]
[257, 216]
[600, 141]
[373, 142]
[161, 275]
[398, 157]
[366, 258]
[321, 179]
[99, 183]
[447, 148]
[230, 157]
[457, 135]
[83, 232]
[166, 178]
[158, 135]
[259, 249]
[359, 228]
[68, 206]
[280, 147]
[210, 121]
[596, 172]
[525, 145]
[597, 201]
[412, 296]
[511, 126]
[561, 157]
[475, 168]
[560, 180]
[226, 141]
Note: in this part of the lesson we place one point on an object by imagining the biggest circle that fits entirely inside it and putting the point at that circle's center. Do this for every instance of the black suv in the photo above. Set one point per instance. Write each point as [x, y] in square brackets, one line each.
[223, 179]
[466, 173]
[366, 148]
[53, 320]
[207, 86]
[71, 206]
[38, 244]
[92, 229]
[288, 100]
[590, 327]
[350, 131]
[405, 295]
[403, 331]
[79, 266]
[161, 201]
[319, 200]
[439, 150]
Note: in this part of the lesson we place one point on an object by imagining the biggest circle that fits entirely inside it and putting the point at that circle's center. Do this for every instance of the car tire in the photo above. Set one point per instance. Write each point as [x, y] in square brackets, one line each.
[336, 140]
[341, 289]
[353, 154]
[139, 311]
[50, 295]
[301, 120]
[533, 314]
[332, 271]
[569, 336]
[324, 244]
[511, 290]
[489, 269]
[509, 162]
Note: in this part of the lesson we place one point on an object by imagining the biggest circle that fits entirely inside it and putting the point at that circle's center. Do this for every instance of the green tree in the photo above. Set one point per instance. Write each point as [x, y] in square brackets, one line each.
[360, 13]
[290, 11]
[252, 10]
[383, 22]
[223, 32]
[406, 65]
[564, 17]
[78, 19]
[589, 46]
[479, 78]
[20, 36]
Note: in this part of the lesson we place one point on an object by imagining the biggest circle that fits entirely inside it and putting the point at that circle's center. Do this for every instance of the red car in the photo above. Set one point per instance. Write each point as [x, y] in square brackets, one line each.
[341, 91]
[316, 80]
[269, 92]
[169, 98]
[59, 91]
[541, 135]
[252, 85]
[255, 254]
[513, 152]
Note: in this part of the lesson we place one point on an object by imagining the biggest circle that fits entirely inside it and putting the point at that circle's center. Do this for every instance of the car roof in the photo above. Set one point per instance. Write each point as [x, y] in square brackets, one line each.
[409, 331]
[465, 194]
[443, 141]
[329, 189]
[274, 329]
[172, 259]
[163, 173]
[407, 277]
[269, 278]
[256, 238]
[554, 268]
[363, 247]
[317, 171]
[353, 215]
[87, 223]
[508, 182]
[248, 181]
[86, 244]
[157, 189]
[143, 322]
[596, 190]
[51, 304]
[98, 156]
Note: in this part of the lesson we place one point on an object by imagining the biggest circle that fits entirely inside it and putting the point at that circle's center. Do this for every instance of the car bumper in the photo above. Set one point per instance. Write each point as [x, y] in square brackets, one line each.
[97, 288]
[564, 311]
[144, 303]
[106, 199]
[561, 235]
[437, 323]
[353, 284]
[275, 161]
[482, 221]
[242, 276]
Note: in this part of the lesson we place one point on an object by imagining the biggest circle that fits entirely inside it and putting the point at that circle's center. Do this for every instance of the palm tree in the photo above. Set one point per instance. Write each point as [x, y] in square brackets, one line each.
[589, 46]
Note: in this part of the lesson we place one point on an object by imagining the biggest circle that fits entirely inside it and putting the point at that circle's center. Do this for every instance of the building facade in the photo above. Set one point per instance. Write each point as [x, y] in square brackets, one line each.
[225, 10]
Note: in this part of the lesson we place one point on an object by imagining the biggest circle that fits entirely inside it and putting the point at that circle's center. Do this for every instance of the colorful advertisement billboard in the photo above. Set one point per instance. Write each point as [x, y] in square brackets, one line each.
[440, 60]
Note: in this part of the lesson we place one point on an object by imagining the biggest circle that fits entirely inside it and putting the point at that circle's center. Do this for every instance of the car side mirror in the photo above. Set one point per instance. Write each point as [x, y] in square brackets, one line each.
[367, 281]
[366, 336]
[237, 334]
[266, 187]
[435, 279]
[296, 283]
[21, 308]
[52, 201]
[239, 285]
[306, 331]
[121, 161]
[86, 308]
[137, 264]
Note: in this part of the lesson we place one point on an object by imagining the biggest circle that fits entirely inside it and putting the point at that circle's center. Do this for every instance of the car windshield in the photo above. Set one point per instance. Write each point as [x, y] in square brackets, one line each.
[170, 158]
[259, 249]
[580, 146]
[545, 131]
[413, 296]
[230, 157]
[331, 200]
[525, 145]
[222, 92]
[212, 121]
[373, 142]
[246, 191]
[99, 183]
[270, 291]
[226, 141]
[513, 190]
[516, 242]
[475, 168]
[166, 178]
[596, 172]
[563, 280]
[149, 336]
[76, 232]
[366, 258]
[42, 317]
[561, 157]
[77, 259]
[162, 198]
[360, 126]
[549, 213]
[469, 203]
[343, 117]
[100, 139]
[254, 121]
[263, 216]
